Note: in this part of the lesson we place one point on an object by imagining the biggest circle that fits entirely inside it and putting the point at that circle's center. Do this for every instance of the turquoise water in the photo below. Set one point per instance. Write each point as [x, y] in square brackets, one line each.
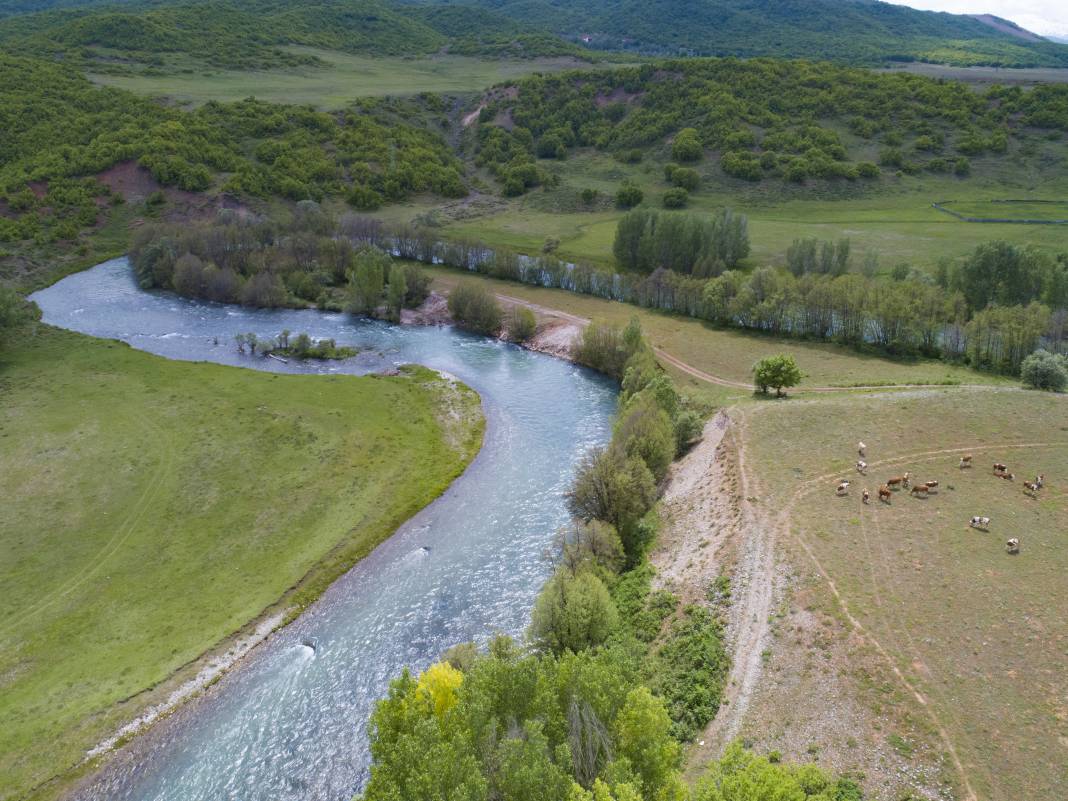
[291, 722]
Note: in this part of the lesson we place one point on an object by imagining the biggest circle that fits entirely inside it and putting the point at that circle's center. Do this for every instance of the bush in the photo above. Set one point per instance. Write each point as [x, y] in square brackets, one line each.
[685, 177]
[687, 146]
[645, 430]
[676, 198]
[573, 612]
[1045, 370]
[629, 196]
[523, 324]
[474, 307]
[618, 489]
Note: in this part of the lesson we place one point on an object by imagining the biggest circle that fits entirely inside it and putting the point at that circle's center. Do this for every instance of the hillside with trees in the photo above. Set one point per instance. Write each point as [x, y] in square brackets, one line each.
[762, 119]
[852, 31]
[256, 35]
[61, 133]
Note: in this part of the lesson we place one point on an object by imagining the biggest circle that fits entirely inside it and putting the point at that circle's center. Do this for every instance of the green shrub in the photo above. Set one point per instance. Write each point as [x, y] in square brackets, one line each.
[573, 612]
[474, 307]
[676, 198]
[522, 325]
[1045, 370]
[629, 195]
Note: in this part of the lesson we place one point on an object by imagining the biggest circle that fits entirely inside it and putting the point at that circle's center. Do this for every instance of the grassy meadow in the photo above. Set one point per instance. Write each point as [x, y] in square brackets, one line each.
[345, 77]
[896, 220]
[152, 508]
[980, 634]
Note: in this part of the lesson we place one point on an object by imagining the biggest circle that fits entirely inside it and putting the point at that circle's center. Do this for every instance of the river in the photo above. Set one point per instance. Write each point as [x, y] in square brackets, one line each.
[290, 722]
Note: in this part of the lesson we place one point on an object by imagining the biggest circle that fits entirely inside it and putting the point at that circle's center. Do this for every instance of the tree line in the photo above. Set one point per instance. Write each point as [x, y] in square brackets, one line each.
[265, 263]
[989, 310]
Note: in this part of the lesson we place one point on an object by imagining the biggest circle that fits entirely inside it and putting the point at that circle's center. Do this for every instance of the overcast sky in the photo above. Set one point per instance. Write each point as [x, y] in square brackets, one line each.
[1041, 16]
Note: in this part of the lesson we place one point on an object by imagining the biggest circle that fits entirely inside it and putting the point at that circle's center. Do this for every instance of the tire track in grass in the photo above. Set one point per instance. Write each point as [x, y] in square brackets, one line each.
[812, 485]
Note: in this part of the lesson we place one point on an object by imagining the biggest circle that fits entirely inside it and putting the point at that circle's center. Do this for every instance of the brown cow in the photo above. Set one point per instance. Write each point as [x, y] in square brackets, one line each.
[965, 461]
[865, 496]
[895, 482]
[1006, 476]
[1032, 488]
[920, 489]
[884, 493]
[1000, 468]
[931, 485]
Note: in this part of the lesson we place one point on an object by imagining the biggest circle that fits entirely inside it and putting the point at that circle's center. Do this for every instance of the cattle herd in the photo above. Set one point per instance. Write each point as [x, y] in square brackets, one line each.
[923, 490]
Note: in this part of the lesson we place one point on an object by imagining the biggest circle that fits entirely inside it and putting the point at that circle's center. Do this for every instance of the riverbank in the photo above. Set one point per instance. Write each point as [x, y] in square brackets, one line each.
[131, 512]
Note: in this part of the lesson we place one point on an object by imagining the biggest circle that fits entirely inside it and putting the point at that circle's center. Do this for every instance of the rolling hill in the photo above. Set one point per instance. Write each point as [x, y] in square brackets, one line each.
[854, 31]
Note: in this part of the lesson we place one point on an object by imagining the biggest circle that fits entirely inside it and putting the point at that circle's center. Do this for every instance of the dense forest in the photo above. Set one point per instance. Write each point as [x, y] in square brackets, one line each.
[255, 35]
[763, 119]
[61, 132]
[853, 31]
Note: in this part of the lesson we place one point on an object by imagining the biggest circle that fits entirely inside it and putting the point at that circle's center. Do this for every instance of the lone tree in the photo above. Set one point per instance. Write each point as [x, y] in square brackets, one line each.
[776, 372]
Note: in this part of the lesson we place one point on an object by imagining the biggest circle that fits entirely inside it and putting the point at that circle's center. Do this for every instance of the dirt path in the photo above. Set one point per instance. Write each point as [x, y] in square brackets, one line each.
[700, 512]
[755, 584]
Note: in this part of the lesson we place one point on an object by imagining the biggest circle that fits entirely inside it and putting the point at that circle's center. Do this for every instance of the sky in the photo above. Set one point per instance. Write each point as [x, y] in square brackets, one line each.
[1045, 17]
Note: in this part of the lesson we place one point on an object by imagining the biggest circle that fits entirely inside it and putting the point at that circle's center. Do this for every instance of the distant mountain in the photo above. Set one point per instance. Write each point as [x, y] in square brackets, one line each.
[252, 32]
[255, 34]
[855, 31]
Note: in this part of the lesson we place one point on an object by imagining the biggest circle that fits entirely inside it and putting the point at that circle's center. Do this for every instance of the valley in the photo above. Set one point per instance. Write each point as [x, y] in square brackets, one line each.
[421, 400]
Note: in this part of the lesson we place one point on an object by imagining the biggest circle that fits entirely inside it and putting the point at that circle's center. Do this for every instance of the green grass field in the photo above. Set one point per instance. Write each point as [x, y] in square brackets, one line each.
[731, 354]
[980, 634]
[894, 219]
[345, 78]
[152, 508]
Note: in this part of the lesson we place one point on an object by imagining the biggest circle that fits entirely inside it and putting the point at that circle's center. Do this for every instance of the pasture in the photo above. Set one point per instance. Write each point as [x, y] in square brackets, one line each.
[344, 78]
[152, 508]
[895, 219]
[978, 634]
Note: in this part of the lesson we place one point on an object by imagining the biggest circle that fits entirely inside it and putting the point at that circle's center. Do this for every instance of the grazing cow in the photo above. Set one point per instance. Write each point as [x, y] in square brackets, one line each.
[862, 450]
[1040, 480]
[1032, 488]
[884, 493]
[862, 467]
[981, 523]
[895, 482]
[1006, 476]
[931, 485]
[1013, 545]
[965, 461]
[1000, 468]
[843, 489]
[865, 496]
[920, 489]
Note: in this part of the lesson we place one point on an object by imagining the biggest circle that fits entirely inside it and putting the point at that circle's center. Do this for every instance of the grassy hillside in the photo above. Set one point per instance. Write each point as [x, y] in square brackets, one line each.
[255, 35]
[856, 31]
[134, 536]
